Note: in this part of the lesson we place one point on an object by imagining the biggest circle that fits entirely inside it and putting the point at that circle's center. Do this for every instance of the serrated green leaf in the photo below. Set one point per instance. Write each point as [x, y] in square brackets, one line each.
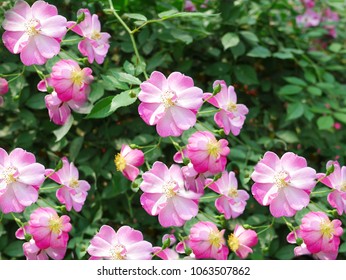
[229, 40]
[62, 131]
[136, 16]
[259, 51]
[294, 111]
[107, 106]
[290, 89]
[325, 122]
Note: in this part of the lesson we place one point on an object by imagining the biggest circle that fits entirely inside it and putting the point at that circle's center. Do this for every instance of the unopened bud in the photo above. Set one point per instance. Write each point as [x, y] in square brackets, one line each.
[133, 94]
[166, 243]
[299, 241]
[50, 89]
[80, 17]
[217, 89]
[186, 161]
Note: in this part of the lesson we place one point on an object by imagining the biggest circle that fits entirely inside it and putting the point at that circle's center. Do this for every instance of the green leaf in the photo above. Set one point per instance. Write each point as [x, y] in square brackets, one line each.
[314, 90]
[14, 249]
[75, 147]
[36, 101]
[127, 78]
[325, 122]
[168, 13]
[294, 111]
[340, 117]
[259, 51]
[290, 89]
[109, 105]
[182, 36]
[136, 16]
[246, 74]
[296, 81]
[62, 131]
[229, 40]
[335, 47]
[285, 252]
[111, 83]
[288, 136]
[249, 36]
[283, 55]
[97, 91]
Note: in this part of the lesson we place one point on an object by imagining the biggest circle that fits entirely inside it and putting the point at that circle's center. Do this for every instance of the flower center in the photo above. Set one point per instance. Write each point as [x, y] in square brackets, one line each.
[215, 239]
[213, 148]
[168, 98]
[233, 192]
[32, 27]
[120, 162]
[118, 252]
[9, 174]
[233, 242]
[327, 229]
[168, 188]
[95, 35]
[232, 107]
[55, 225]
[77, 77]
[343, 187]
[74, 183]
[282, 179]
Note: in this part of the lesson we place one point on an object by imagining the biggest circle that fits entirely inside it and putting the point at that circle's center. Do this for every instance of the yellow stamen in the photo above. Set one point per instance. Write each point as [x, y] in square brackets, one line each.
[168, 188]
[281, 179]
[120, 162]
[8, 175]
[214, 148]
[73, 183]
[167, 97]
[96, 35]
[233, 242]
[77, 77]
[215, 238]
[327, 229]
[31, 27]
[232, 107]
[233, 192]
[55, 225]
[118, 252]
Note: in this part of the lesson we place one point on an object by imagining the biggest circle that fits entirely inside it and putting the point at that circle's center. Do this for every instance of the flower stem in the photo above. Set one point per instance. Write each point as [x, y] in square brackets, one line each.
[128, 30]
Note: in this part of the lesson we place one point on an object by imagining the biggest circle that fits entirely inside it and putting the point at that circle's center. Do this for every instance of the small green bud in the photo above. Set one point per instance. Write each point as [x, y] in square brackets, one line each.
[27, 236]
[58, 166]
[133, 94]
[188, 251]
[299, 241]
[217, 176]
[50, 89]
[186, 161]
[80, 17]
[166, 243]
[217, 89]
[246, 226]
[330, 170]
[133, 146]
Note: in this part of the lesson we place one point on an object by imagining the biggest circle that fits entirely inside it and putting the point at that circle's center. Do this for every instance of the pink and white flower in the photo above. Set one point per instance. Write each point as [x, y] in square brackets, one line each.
[337, 182]
[319, 233]
[95, 44]
[207, 242]
[48, 229]
[241, 241]
[128, 160]
[32, 252]
[169, 103]
[231, 116]
[165, 254]
[308, 3]
[164, 195]
[206, 153]
[58, 110]
[3, 86]
[302, 249]
[34, 32]
[283, 184]
[232, 201]
[73, 192]
[20, 179]
[309, 18]
[70, 81]
[329, 19]
[125, 244]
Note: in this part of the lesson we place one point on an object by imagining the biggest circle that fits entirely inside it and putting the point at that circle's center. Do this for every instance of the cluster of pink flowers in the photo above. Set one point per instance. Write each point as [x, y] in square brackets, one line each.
[311, 18]
[49, 235]
[320, 236]
[36, 33]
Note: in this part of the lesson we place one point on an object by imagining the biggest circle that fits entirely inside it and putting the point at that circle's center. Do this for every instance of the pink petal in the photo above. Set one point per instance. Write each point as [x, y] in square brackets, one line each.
[179, 82]
[190, 98]
[128, 236]
[292, 162]
[166, 126]
[150, 93]
[30, 54]
[264, 193]
[279, 206]
[296, 198]
[186, 208]
[20, 158]
[9, 202]
[183, 118]
[54, 27]
[169, 217]
[151, 113]
[32, 174]
[158, 80]
[26, 195]
[41, 10]
[336, 201]
[139, 251]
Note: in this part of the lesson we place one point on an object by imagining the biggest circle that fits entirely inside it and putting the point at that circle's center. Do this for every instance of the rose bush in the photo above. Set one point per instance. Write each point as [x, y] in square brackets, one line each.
[166, 132]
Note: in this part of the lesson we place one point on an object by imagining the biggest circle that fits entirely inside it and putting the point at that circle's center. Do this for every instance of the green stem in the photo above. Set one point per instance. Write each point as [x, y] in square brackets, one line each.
[208, 111]
[18, 221]
[50, 188]
[147, 22]
[16, 75]
[128, 30]
[267, 227]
